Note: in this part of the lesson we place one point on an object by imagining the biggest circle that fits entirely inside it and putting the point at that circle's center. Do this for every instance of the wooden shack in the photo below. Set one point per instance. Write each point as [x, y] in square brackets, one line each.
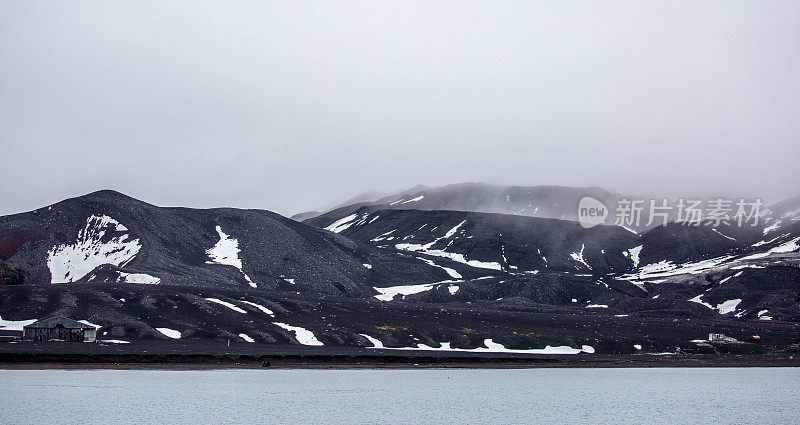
[59, 329]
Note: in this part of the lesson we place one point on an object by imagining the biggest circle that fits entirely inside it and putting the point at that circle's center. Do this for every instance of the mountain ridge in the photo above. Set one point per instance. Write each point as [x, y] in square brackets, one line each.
[216, 274]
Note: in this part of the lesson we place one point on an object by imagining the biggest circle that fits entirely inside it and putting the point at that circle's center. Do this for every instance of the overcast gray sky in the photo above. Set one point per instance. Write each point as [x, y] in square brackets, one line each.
[290, 105]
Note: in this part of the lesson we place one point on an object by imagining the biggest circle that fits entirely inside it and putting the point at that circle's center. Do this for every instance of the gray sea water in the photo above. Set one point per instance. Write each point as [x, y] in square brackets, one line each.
[635, 396]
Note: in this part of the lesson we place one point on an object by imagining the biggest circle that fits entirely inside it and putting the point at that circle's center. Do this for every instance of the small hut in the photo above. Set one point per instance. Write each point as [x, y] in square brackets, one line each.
[59, 329]
[712, 337]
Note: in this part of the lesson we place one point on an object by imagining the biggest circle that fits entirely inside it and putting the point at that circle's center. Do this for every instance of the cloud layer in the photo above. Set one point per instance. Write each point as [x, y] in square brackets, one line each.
[288, 106]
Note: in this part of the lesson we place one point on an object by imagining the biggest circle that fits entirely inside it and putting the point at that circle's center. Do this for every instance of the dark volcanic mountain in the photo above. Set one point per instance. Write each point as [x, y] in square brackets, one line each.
[107, 236]
[377, 274]
[555, 261]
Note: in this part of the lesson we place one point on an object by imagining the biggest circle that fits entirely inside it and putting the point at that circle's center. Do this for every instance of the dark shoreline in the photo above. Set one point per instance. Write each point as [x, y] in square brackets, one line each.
[205, 354]
[11, 361]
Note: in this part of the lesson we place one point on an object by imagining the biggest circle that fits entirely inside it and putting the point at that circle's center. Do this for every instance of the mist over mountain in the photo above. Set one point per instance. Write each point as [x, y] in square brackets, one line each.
[558, 202]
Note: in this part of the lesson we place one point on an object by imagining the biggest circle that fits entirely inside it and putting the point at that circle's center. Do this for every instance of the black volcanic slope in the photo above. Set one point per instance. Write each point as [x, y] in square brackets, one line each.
[555, 261]
[171, 245]
[513, 242]
[371, 275]
[136, 312]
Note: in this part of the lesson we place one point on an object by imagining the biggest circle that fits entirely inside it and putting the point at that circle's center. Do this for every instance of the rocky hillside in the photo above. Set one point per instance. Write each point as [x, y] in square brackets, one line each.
[109, 237]
[10, 275]
[376, 275]
[494, 257]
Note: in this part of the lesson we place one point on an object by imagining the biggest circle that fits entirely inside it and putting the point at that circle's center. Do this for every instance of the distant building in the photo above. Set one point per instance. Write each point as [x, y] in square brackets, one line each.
[712, 337]
[59, 329]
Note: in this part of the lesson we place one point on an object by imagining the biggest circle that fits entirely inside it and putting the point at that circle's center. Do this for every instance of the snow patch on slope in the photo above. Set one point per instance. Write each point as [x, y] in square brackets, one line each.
[728, 306]
[342, 224]
[141, 278]
[723, 308]
[226, 252]
[783, 248]
[303, 336]
[388, 293]
[92, 248]
[170, 333]
[633, 254]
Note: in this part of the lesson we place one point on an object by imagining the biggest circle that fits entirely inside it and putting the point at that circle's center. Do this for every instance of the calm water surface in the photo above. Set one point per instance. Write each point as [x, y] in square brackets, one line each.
[636, 396]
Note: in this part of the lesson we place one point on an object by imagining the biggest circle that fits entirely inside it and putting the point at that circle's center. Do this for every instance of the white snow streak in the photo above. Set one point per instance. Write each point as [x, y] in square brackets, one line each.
[724, 236]
[731, 276]
[426, 249]
[454, 274]
[578, 256]
[667, 268]
[459, 258]
[452, 231]
[170, 333]
[260, 307]
[227, 304]
[413, 200]
[376, 343]
[226, 252]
